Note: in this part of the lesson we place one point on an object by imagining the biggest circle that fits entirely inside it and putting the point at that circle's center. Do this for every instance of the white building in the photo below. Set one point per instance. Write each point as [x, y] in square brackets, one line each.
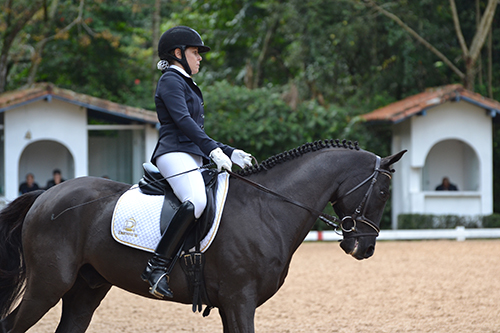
[448, 133]
[45, 128]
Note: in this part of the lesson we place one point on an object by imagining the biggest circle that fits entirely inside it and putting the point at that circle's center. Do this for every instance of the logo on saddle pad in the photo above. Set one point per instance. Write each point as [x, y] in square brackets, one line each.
[129, 228]
[136, 218]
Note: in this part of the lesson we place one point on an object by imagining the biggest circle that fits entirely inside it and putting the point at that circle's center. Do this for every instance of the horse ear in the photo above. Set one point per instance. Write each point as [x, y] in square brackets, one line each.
[390, 160]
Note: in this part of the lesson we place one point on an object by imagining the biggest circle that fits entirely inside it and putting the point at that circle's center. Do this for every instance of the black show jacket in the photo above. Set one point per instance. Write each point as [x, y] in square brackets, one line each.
[179, 105]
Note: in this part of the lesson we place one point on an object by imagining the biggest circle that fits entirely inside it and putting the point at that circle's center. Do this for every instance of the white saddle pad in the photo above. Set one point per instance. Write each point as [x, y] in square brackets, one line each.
[136, 218]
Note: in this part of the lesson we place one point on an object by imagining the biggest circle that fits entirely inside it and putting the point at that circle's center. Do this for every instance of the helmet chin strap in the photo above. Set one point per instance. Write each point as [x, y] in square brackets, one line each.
[184, 62]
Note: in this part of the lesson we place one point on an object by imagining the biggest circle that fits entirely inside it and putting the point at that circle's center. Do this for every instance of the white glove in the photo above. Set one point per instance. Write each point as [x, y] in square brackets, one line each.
[221, 159]
[241, 158]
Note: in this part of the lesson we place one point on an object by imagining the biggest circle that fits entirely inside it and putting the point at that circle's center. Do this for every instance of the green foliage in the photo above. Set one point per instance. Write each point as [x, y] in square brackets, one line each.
[429, 221]
[491, 221]
[259, 121]
[280, 73]
[415, 221]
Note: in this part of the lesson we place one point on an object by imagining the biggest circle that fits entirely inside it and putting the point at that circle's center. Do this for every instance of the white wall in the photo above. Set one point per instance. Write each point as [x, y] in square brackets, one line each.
[456, 121]
[57, 121]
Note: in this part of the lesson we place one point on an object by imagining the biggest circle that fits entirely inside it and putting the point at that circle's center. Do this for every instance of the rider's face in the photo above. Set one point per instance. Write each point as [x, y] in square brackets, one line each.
[193, 58]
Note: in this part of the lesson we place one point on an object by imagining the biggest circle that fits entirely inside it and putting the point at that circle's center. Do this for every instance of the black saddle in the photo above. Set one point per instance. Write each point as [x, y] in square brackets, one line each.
[153, 183]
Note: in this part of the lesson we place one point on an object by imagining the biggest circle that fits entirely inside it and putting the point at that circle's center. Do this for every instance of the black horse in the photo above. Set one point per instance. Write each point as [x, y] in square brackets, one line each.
[74, 257]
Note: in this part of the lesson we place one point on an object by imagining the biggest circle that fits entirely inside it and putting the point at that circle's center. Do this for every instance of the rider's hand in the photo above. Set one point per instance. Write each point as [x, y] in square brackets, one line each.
[243, 159]
[221, 159]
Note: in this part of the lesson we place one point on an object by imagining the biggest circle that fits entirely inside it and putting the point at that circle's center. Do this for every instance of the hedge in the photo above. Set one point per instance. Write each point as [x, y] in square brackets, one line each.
[430, 221]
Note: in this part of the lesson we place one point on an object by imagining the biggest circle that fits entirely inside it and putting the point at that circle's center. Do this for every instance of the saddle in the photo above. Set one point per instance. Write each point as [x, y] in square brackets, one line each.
[153, 183]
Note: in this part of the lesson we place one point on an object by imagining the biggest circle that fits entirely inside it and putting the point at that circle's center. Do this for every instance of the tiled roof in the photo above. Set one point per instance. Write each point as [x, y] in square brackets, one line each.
[410, 106]
[38, 91]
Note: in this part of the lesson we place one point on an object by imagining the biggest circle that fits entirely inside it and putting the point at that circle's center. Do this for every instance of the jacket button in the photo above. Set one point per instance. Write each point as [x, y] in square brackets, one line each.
[202, 103]
[203, 116]
[202, 127]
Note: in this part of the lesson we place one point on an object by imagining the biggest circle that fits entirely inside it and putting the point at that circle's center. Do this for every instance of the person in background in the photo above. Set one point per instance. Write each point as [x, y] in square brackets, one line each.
[29, 185]
[56, 179]
[446, 185]
[183, 146]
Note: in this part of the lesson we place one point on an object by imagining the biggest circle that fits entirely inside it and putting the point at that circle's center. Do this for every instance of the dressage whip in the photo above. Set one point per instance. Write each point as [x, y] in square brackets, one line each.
[206, 166]
[326, 218]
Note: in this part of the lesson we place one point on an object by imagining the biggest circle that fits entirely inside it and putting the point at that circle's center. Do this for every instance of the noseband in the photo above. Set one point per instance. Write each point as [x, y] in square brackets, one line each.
[357, 217]
[359, 213]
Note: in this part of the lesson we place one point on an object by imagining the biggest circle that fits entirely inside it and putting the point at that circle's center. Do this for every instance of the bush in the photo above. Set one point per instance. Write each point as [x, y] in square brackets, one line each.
[491, 221]
[430, 221]
[415, 221]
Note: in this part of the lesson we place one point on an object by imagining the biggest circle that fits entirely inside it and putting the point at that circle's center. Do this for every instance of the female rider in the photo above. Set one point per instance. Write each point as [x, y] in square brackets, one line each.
[182, 145]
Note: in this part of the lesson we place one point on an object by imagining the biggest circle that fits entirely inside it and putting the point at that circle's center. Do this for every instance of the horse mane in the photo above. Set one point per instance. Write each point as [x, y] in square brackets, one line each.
[297, 152]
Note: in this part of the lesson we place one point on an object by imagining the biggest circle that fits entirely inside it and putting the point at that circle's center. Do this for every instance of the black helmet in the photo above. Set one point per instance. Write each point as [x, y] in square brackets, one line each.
[180, 37]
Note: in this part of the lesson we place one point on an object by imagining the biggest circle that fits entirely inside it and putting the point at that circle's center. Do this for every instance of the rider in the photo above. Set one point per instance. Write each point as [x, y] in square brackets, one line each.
[183, 145]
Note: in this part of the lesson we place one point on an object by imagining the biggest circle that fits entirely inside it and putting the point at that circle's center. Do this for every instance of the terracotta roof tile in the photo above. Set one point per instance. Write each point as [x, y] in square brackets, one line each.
[412, 105]
[39, 91]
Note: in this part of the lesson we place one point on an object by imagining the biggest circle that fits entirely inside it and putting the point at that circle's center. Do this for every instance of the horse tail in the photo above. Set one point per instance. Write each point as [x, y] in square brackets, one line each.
[12, 265]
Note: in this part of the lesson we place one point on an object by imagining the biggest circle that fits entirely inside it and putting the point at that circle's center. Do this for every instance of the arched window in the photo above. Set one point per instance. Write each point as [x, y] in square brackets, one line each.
[41, 157]
[454, 159]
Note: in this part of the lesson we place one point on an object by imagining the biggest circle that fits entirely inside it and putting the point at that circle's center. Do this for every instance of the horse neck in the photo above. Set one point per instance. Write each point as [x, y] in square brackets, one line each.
[312, 180]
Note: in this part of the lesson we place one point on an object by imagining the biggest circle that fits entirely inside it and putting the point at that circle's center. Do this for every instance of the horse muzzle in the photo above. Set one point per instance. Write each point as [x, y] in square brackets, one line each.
[359, 248]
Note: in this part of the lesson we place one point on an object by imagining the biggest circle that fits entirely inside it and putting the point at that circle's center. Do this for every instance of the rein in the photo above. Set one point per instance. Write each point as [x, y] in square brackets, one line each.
[54, 217]
[330, 220]
[323, 216]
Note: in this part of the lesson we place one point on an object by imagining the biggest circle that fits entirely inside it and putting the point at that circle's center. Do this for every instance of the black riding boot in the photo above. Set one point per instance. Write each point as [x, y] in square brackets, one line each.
[156, 271]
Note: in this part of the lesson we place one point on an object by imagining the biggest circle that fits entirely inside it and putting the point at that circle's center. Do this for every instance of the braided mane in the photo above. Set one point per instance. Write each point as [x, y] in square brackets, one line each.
[297, 152]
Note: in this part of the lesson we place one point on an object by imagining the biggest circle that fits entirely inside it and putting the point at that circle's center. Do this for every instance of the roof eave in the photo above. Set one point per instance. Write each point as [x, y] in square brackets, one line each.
[104, 110]
[48, 96]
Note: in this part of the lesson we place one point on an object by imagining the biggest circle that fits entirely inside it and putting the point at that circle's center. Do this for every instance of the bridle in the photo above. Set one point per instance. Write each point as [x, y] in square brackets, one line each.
[359, 213]
[338, 224]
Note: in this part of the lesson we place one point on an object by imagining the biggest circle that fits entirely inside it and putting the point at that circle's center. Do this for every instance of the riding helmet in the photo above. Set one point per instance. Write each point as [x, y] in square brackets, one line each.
[180, 37]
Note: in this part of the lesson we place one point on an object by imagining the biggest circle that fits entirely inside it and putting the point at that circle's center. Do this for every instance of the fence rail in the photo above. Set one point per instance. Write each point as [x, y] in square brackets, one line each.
[459, 233]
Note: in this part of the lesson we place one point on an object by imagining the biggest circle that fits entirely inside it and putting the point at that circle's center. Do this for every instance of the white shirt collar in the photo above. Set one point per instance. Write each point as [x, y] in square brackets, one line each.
[181, 70]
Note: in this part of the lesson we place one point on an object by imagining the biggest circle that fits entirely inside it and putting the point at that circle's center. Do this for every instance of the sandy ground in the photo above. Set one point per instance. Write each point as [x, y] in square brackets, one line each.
[419, 286]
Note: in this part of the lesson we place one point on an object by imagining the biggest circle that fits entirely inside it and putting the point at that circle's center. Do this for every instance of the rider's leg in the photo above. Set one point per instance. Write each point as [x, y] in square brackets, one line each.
[170, 242]
[190, 189]
[187, 186]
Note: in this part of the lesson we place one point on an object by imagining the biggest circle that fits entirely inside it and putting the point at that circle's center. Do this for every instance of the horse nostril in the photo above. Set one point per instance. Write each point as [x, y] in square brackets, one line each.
[369, 251]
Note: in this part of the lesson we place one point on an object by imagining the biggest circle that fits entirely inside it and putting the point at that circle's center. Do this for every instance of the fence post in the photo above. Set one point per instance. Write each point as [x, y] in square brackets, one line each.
[460, 230]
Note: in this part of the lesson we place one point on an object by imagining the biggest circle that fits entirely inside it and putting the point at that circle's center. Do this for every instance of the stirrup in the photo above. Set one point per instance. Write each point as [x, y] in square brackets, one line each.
[153, 290]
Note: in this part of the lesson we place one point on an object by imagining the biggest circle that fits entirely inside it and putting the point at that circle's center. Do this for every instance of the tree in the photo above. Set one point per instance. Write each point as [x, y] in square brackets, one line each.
[50, 31]
[469, 55]
[14, 15]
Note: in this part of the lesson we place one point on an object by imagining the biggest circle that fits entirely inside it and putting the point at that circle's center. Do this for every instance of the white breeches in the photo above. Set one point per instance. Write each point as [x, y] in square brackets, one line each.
[188, 186]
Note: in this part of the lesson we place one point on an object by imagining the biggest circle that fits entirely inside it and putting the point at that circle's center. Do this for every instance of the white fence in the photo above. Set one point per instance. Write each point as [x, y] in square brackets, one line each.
[459, 233]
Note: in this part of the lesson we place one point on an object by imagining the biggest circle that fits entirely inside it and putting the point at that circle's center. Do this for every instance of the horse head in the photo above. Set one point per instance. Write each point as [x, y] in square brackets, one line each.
[360, 208]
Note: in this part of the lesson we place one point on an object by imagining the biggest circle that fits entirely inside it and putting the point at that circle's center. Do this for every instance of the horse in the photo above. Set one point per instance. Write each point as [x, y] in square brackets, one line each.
[74, 257]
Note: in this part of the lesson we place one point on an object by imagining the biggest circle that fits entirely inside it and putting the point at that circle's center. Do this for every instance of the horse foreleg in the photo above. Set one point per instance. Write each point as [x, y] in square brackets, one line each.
[238, 318]
[79, 304]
